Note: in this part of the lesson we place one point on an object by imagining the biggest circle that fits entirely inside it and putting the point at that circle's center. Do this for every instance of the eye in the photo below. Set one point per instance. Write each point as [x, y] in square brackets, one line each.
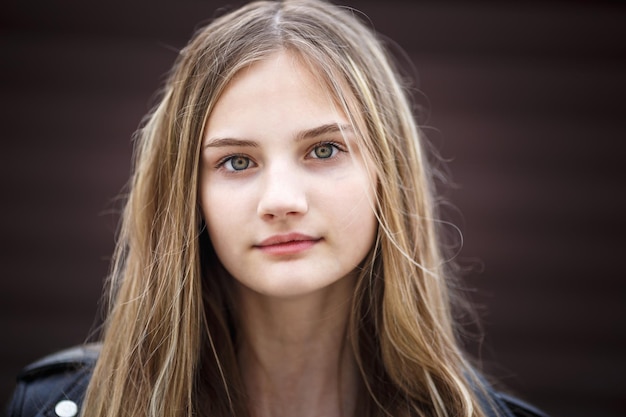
[324, 151]
[235, 163]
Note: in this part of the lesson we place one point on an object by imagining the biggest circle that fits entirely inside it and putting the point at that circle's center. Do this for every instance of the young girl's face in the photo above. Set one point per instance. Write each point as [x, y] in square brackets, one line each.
[284, 191]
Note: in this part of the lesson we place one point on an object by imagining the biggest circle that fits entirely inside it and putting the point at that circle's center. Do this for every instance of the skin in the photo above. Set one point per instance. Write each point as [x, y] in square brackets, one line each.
[287, 199]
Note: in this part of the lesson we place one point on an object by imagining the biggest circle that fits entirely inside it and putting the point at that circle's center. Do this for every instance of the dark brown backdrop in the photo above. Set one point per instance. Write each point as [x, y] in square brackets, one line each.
[528, 102]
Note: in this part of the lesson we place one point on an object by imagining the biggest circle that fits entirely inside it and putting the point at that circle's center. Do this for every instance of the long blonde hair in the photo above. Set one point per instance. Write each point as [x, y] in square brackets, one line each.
[169, 338]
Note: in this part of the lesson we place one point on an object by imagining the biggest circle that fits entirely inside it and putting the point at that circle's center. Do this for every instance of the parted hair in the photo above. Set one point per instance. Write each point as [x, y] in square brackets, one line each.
[169, 339]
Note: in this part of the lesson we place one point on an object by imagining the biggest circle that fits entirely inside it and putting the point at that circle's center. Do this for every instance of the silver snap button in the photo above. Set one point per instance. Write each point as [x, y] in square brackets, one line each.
[66, 408]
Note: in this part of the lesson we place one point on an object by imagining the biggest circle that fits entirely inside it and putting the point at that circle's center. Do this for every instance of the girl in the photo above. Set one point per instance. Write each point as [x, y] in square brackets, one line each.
[279, 252]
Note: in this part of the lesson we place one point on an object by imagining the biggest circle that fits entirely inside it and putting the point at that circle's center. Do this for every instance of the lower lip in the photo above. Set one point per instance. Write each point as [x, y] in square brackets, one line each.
[288, 248]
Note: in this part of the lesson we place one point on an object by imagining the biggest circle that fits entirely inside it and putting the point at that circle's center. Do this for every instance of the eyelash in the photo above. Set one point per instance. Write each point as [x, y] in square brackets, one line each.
[222, 162]
[336, 148]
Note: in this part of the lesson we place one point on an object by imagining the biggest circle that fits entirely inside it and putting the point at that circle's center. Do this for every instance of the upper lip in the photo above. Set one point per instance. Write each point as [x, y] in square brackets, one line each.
[285, 238]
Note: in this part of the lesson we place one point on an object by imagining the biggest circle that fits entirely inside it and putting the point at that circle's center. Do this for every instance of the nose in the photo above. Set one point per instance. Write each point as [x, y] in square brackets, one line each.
[282, 194]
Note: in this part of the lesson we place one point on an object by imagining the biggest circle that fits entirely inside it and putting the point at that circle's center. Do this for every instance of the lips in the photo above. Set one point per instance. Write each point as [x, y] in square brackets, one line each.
[287, 244]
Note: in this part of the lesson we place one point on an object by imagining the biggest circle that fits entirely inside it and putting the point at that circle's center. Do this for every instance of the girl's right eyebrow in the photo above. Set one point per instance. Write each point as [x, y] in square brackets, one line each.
[223, 142]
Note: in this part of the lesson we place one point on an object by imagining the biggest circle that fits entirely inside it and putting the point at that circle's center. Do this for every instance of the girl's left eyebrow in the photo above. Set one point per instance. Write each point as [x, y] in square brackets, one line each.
[323, 130]
[315, 132]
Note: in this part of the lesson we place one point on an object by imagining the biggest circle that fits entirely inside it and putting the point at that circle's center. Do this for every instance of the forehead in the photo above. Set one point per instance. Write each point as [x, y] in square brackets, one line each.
[322, 71]
[288, 65]
[280, 88]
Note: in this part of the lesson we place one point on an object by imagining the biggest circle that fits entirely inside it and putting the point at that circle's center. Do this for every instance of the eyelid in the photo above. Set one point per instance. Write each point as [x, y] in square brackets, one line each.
[339, 146]
[222, 161]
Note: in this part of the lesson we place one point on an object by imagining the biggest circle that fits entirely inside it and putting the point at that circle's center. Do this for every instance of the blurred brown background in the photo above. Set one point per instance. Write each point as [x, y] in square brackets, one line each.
[527, 99]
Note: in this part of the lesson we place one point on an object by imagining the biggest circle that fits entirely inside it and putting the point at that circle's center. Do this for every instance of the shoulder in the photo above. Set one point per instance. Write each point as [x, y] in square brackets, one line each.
[55, 385]
[499, 404]
[517, 407]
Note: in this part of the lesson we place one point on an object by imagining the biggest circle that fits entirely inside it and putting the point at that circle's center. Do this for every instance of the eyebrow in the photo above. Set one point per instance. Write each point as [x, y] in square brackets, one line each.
[322, 130]
[223, 142]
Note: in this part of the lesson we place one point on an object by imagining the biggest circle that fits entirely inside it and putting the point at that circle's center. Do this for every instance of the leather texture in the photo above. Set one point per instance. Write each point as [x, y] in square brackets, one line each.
[63, 376]
[45, 386]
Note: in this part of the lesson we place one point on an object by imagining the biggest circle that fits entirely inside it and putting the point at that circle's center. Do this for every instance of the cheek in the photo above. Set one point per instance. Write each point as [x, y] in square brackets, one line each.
[353, 207]
[219, 198]
[220, 213]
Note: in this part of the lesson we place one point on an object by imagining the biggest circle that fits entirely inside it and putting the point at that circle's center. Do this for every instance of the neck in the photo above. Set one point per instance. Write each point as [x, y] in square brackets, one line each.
[294, 354]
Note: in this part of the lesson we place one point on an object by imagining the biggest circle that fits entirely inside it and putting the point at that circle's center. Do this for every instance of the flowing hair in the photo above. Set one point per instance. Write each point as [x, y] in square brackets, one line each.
[169, 338]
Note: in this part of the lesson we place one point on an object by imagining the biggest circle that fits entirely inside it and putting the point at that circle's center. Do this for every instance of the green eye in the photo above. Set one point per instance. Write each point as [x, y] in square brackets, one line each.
[238, 163]
[324, 151]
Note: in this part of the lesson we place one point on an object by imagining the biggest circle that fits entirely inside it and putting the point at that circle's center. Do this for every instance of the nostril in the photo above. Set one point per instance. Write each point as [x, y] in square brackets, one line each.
[281, 204]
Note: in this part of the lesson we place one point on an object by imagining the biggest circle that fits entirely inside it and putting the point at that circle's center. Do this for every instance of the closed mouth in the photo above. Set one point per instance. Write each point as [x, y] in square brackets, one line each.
[287, 244]
[288, 238]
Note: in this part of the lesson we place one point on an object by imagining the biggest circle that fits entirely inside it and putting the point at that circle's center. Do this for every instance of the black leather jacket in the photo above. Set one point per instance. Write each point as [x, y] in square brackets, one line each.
[55, 387]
